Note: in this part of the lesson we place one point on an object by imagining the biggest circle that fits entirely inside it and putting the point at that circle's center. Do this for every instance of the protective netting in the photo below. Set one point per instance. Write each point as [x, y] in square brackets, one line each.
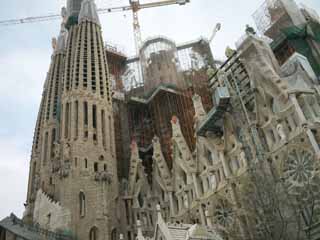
[315, 28]
[296, 37]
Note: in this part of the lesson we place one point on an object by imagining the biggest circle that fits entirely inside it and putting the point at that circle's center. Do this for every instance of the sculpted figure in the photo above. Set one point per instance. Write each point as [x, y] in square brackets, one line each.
[56, 151]
[185, 201]
[281, 132]
[54, 43]
[67, 152]
[243, 159]
[65, 169]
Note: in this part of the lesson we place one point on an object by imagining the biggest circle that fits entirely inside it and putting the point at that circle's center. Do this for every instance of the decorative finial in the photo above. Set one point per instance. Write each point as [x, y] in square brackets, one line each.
[174, 119]
[64, 14]
[133, 145]
[250, 30]
[54, 43]
[159, 212]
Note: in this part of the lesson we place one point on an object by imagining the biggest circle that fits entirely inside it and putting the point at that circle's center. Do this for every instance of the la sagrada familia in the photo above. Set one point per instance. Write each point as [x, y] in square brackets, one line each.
[173, 144]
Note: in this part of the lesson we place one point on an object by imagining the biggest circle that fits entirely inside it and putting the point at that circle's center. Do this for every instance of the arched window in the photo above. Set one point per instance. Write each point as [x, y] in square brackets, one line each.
[82, 204]
[95, 167]
[93, 235]
[53, 139]
[114, 234]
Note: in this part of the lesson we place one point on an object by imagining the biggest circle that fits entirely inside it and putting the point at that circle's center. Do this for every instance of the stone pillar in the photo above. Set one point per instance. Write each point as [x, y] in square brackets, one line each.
[90, 127]
[235, 201]
[202, 215]
[196, 185]
[291, 123]
[72, 127]
[99, 125]
[303, 122]
[209, 221]
[225, 164]
[172, 205]
[205, 184]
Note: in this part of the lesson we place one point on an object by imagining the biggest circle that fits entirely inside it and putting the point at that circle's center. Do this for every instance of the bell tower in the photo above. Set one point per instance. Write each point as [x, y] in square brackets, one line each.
[88, 167]
[73, 168]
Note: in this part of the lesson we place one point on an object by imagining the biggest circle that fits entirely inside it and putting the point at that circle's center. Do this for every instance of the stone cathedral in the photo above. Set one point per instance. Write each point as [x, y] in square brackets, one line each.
[197, 149]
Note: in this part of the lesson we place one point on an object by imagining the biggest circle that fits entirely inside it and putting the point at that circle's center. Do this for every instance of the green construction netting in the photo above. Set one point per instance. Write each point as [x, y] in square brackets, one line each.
[315, 31]
[311, 29]
[72, 20]
[295, 32]
[297, 36]
[302, 47]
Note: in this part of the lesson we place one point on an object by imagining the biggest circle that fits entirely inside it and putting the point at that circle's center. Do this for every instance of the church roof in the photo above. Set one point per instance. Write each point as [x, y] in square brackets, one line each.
[190, 232]
[179, 231]
[202, 232]
[16, 226]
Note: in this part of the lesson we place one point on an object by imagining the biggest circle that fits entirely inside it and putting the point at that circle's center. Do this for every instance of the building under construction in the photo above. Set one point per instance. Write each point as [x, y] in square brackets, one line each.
[173, 145]
[152, 88]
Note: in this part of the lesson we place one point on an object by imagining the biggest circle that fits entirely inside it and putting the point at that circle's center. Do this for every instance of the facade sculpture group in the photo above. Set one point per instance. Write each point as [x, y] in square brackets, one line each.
[252, 173]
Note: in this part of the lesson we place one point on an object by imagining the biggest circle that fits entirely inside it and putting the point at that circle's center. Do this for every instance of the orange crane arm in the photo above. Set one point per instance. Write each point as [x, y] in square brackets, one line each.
[100, 10]
[162, 3]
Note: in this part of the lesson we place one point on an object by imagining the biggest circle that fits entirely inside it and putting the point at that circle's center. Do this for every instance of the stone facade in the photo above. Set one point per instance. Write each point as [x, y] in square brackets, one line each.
[49, 214]
[251, 170]
[73, 160]
[268, 145]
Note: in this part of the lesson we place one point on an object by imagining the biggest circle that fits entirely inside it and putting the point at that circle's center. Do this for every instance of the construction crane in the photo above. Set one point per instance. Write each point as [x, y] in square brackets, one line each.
[216, 29]
[134, 5]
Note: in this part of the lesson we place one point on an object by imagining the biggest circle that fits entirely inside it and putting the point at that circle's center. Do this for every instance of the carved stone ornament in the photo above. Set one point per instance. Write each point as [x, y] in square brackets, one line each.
[224, 214]
[65, 169]
[281, 132]
[67, 152]
[299, 169]
[103, 176]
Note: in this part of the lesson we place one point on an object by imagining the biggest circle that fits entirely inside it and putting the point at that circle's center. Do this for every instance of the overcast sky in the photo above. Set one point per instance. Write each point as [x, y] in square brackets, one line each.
[25, 52]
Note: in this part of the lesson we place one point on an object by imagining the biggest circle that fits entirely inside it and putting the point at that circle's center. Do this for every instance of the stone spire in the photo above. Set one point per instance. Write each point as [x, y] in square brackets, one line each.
[62, 39]
[89, 12]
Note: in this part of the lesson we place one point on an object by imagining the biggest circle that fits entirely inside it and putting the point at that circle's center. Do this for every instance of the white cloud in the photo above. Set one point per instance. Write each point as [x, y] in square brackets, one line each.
[13, 173]
[23, 73]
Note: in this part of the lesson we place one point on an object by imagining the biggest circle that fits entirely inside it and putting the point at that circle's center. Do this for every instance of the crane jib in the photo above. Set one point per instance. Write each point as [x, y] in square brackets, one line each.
[100, 10]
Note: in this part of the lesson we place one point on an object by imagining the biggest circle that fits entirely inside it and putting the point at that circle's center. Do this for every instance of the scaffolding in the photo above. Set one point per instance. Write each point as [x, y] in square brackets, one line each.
[149, 104]
[274, 15]
[191, 57]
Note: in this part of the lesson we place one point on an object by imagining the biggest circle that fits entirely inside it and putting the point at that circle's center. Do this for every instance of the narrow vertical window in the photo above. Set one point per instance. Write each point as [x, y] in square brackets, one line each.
[94, 116]
[85, 163]
[61, 114]
[114, 234]
[82, 204]
[110, 133]
[103, 128]
[85, 113]
[53, 139]
[66, 121]
[85, 119]
[76, 113]
[45, 152]
[93, 235]
[96, 167]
